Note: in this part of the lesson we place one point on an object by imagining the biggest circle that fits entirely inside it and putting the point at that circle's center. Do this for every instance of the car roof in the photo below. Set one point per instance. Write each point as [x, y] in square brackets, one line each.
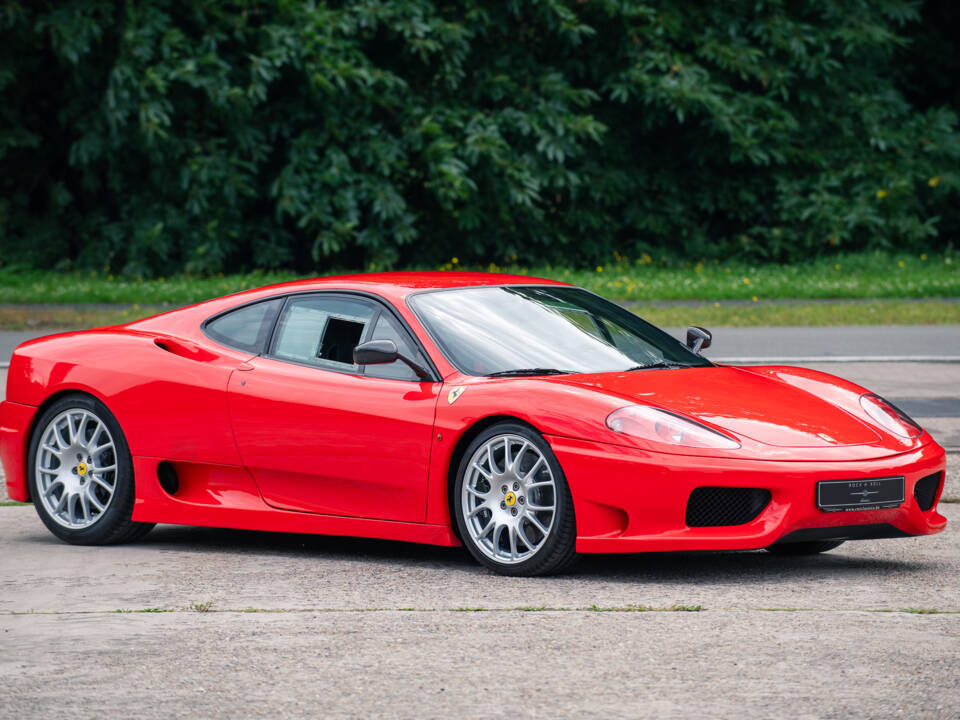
[391, 286]
[404, 283]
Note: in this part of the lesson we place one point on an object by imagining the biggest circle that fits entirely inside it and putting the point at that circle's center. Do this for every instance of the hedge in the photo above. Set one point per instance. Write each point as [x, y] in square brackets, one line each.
[151, 136]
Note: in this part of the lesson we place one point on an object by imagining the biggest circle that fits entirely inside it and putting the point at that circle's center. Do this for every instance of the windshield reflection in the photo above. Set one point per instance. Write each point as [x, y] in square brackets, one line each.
[484, 330]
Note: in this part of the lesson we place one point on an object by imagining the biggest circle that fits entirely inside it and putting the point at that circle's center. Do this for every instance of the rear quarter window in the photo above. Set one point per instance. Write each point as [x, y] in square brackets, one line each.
[246, 328]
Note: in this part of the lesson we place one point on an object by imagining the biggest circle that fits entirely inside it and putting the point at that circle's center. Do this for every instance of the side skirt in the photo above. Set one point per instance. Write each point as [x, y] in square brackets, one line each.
[226, 496]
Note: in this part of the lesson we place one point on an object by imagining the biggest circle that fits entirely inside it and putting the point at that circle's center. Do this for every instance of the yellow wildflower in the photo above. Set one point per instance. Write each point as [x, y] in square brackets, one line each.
[599, 268]
[454, 260]
[934, 181]
[746, 281]
[881, 194]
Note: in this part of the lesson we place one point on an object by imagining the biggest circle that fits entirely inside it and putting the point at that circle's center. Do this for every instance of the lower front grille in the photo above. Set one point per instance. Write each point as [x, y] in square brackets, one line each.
[926, 489]
[721, 506]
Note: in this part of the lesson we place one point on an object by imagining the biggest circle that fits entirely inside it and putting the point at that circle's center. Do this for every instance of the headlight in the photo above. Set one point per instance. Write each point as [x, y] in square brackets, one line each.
[889, 416]
[661, 426]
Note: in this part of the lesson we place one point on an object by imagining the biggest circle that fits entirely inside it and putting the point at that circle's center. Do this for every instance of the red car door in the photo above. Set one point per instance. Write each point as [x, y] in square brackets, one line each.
[322, 435]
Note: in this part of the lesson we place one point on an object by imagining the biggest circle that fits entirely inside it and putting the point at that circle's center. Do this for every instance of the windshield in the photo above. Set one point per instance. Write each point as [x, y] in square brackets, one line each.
[543, 330]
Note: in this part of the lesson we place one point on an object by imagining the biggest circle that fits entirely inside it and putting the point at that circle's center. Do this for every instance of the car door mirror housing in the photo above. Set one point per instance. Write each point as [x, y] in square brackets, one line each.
[382, 352]
[698, 338]
[376, 352]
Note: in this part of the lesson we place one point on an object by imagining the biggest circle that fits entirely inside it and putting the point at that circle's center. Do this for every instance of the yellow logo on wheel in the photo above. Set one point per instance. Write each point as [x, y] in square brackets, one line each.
[82, 469]
[510, 499]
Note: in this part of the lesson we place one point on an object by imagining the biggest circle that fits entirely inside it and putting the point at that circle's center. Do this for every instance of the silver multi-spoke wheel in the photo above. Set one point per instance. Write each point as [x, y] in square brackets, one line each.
[76, 468]
[509, 499]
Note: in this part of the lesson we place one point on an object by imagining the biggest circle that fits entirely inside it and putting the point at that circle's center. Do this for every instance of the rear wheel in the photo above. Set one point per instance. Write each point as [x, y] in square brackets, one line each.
[512, 503]
[812, 547]
[81, 474]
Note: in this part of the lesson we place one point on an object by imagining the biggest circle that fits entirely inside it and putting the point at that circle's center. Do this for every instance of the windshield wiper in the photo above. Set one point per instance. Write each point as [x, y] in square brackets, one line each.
[522, 372]
[660, 364]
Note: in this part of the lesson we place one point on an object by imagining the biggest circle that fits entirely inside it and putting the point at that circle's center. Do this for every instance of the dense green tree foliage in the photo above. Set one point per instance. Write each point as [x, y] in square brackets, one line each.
[152, 135]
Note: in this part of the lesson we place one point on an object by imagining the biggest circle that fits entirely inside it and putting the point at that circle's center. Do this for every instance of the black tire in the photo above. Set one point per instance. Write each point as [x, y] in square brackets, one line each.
[812, 547]
[114, 524]
[558, 551]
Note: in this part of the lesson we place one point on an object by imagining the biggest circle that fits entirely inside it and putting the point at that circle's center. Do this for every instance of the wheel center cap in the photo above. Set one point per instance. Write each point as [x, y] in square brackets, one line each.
[81, 468]
[510, 499]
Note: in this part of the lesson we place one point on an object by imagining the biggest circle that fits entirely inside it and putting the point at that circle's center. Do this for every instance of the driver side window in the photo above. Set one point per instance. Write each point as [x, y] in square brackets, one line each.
[323, 331]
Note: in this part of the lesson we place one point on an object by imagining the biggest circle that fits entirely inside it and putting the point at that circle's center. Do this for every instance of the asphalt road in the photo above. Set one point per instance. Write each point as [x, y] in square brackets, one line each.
[869, 342]
[9, 339]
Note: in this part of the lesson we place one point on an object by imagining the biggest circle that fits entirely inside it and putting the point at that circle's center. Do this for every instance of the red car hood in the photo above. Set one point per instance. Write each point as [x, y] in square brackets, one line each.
[749, 404]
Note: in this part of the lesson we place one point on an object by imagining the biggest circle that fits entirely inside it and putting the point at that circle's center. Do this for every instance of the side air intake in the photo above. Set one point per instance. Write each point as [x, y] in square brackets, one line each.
[167, 475]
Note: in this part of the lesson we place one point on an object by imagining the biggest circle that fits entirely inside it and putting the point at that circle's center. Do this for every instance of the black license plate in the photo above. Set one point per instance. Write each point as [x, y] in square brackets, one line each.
[848, 495]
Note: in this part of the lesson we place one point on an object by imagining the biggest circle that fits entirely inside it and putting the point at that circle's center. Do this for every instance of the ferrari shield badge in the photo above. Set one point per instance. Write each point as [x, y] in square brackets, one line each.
[454, 394]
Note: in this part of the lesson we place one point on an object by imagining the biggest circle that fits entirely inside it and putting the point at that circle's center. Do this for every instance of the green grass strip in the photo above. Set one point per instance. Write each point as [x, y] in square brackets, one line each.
[861, 275]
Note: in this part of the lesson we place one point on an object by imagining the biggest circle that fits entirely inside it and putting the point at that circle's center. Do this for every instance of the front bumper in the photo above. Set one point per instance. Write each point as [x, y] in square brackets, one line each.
[630, 500]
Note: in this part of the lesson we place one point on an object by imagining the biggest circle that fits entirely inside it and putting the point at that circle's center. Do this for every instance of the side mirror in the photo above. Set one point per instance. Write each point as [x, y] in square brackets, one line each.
[375, 352]
[381, 352]
[698, 338]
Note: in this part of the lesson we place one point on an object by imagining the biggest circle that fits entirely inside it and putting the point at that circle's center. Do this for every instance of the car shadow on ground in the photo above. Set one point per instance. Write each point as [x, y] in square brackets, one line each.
[661, 567]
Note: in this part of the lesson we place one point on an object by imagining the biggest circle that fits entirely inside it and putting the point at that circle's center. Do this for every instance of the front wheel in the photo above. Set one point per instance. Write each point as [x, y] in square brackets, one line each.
[512, 503]
[81, 474]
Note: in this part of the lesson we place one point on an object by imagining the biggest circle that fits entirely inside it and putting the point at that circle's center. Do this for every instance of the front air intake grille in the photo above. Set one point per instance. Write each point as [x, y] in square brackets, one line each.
[718, 506]
[926, 489]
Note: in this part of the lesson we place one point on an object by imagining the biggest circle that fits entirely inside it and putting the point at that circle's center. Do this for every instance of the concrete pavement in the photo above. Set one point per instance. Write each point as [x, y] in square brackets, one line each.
[212, 623]
[717, 664]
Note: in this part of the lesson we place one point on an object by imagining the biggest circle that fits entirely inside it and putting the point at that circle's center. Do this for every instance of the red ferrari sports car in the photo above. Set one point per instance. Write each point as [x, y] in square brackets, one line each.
[527, 419]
